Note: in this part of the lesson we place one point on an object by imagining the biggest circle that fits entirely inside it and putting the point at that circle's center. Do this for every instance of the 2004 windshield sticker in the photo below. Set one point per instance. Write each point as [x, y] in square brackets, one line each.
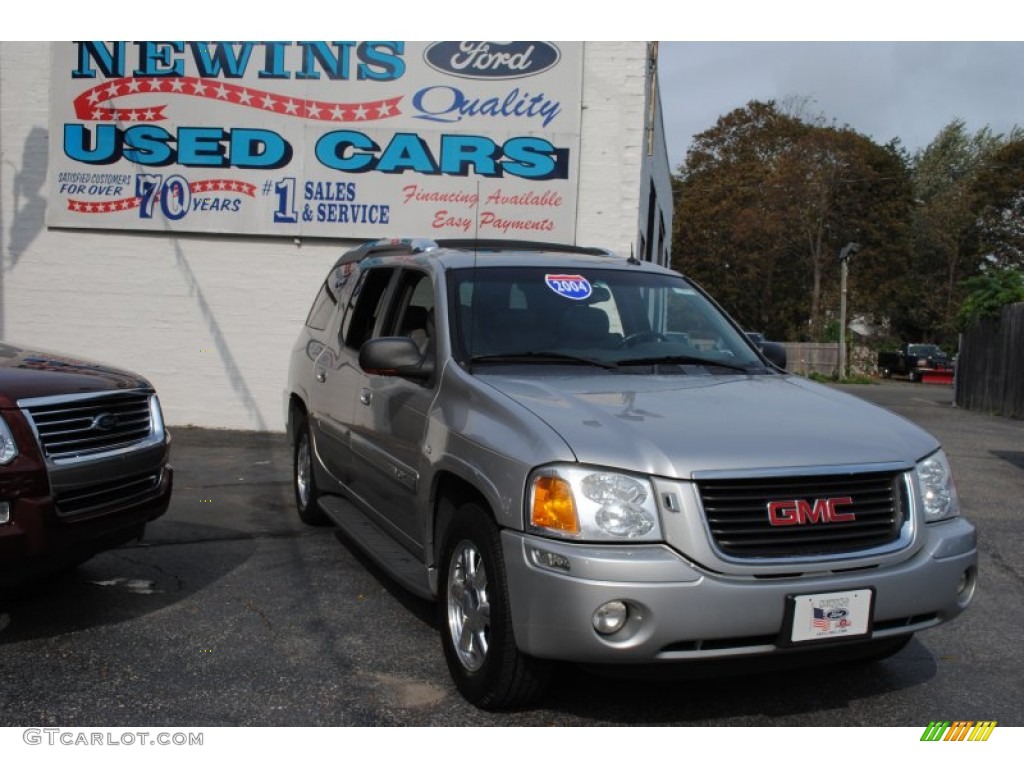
[575, 287]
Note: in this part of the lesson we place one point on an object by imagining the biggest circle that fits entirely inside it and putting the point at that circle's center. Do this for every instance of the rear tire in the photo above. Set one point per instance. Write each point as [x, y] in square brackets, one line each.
[303, 480]
[476, 620]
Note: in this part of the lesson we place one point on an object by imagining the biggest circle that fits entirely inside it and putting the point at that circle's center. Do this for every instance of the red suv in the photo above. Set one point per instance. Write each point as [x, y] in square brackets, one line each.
[84, 460]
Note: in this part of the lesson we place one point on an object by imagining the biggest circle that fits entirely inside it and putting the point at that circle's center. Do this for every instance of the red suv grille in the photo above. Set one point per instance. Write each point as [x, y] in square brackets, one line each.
[80, 427]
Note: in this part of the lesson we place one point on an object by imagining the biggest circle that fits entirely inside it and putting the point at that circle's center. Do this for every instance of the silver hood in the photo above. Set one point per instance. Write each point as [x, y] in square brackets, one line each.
[675, 426]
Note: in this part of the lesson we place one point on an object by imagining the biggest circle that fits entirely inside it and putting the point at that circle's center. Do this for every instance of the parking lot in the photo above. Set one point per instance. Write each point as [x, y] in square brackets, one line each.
[232, 612]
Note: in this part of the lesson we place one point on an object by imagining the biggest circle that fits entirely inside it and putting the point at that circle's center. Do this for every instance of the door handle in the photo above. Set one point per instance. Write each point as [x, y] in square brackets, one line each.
[365, 396]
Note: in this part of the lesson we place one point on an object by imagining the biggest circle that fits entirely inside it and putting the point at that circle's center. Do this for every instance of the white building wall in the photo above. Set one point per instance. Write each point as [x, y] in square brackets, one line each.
[611, 154]
[211, 319]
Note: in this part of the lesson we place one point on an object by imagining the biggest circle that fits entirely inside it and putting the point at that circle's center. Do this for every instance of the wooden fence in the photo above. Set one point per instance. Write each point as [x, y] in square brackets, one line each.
[805, 358]
[990, 368]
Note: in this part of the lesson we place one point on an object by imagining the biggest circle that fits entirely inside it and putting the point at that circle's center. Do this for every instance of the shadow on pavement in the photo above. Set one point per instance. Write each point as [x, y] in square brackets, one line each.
[118, 585]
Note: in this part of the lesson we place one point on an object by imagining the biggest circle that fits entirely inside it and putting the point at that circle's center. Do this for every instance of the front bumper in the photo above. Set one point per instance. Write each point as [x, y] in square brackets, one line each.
[51, 525]
[679, 611]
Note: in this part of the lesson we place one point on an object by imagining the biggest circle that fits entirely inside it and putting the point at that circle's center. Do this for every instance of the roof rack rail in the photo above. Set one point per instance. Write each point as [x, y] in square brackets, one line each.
[519, 245]
[391, 245]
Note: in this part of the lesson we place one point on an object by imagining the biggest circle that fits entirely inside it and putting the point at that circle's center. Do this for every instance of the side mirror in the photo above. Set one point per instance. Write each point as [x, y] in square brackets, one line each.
[395, 356]
[775, 352]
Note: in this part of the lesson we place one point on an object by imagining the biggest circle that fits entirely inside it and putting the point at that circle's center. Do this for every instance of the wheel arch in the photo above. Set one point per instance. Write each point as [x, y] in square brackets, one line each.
[296, 409]
[450, 491]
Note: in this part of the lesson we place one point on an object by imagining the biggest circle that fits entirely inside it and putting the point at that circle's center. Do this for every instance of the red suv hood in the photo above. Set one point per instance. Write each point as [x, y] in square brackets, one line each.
[32, 373]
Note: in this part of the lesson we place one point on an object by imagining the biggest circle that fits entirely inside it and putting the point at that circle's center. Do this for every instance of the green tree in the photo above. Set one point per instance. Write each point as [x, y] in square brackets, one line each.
[764, 202]
[999, 192]
[988, 293]
[726, 235]
[946, 192]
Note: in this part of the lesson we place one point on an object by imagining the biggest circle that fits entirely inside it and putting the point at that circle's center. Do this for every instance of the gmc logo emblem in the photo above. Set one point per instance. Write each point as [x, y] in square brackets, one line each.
[801, 512]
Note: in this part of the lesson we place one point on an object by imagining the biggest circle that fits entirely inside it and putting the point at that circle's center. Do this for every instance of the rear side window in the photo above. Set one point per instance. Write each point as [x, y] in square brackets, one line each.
[323, 307]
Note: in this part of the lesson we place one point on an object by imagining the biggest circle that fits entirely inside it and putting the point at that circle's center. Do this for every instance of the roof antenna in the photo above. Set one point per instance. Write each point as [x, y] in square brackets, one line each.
[632, 258]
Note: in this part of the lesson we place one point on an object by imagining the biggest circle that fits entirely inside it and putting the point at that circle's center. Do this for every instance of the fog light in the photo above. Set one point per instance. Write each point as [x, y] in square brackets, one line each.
[5, 513]
[611, 617]
[965, 587]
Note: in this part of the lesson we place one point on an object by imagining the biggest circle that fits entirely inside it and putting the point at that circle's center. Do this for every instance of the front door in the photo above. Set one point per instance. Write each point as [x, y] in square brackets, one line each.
[390, 419]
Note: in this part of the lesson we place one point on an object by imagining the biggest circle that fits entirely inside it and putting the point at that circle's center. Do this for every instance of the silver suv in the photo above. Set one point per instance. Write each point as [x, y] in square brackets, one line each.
[581, 457]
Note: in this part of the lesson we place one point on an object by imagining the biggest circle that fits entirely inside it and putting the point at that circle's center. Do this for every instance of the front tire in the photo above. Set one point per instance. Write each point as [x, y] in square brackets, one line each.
[476, 621]
[303, 480]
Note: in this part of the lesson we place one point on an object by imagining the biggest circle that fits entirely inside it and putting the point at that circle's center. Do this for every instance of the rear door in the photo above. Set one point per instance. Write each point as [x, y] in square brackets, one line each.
[336, 373]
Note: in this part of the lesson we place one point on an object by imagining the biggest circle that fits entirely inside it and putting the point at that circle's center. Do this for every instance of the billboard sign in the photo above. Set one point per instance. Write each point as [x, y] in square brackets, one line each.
[349, 139]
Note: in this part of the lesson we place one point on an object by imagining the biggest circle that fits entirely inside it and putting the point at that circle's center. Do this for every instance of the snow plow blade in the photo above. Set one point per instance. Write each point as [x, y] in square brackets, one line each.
[937, 377]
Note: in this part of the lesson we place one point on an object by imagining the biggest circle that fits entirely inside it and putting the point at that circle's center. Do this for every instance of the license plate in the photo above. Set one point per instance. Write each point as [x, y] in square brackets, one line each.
[831, 615]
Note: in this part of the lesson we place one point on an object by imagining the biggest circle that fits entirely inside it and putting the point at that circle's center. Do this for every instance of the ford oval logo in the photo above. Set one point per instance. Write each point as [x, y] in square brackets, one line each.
[488, 60]
[834, 614]
[105, 421]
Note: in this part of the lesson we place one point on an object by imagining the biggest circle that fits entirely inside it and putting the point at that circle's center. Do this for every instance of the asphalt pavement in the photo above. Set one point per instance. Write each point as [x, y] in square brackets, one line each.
[232, 612]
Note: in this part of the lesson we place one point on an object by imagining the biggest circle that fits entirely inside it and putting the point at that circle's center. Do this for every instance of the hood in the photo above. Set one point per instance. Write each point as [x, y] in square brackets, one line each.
[675, 426]
[32, 373]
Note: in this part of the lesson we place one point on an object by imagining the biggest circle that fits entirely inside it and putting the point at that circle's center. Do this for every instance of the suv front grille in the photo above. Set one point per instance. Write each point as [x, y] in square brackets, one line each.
[737, 514]
[81, 427]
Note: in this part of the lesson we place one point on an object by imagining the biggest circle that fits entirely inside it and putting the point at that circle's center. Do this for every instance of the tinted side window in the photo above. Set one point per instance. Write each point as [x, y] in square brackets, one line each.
[365, 307]
[413, 312]
[414, 298]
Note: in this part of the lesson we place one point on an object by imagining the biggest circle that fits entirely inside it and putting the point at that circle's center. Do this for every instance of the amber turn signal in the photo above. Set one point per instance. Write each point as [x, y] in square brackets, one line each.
[553, 506]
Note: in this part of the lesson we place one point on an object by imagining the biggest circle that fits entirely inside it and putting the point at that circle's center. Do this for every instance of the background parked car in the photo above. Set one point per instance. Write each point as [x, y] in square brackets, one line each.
[916, 361]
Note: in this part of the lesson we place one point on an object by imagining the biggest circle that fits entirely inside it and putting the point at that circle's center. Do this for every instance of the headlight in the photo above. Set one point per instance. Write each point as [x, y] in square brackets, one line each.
[591, 504]
[938, 491]
[8, 448]
[157, 414]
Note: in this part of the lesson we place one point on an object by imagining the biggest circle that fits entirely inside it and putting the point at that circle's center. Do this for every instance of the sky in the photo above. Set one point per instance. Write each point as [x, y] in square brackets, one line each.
[884, 90]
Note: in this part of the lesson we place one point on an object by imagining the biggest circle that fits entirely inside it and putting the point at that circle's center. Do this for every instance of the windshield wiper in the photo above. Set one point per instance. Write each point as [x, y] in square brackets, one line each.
[690, 360]
[543, 357]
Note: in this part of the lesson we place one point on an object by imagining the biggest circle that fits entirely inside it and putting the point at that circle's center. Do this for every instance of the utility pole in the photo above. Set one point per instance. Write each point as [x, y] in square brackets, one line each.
[844, 265]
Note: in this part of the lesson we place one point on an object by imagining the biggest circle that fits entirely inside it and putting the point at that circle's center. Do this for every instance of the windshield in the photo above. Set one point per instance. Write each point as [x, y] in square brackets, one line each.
[612, 317]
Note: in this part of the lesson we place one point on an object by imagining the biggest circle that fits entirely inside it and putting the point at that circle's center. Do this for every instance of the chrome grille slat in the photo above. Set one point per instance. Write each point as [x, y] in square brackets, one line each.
[69, 429]
[96, 446]
[736, 512]
[84, 406]
[142, 420]
[129, 433]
